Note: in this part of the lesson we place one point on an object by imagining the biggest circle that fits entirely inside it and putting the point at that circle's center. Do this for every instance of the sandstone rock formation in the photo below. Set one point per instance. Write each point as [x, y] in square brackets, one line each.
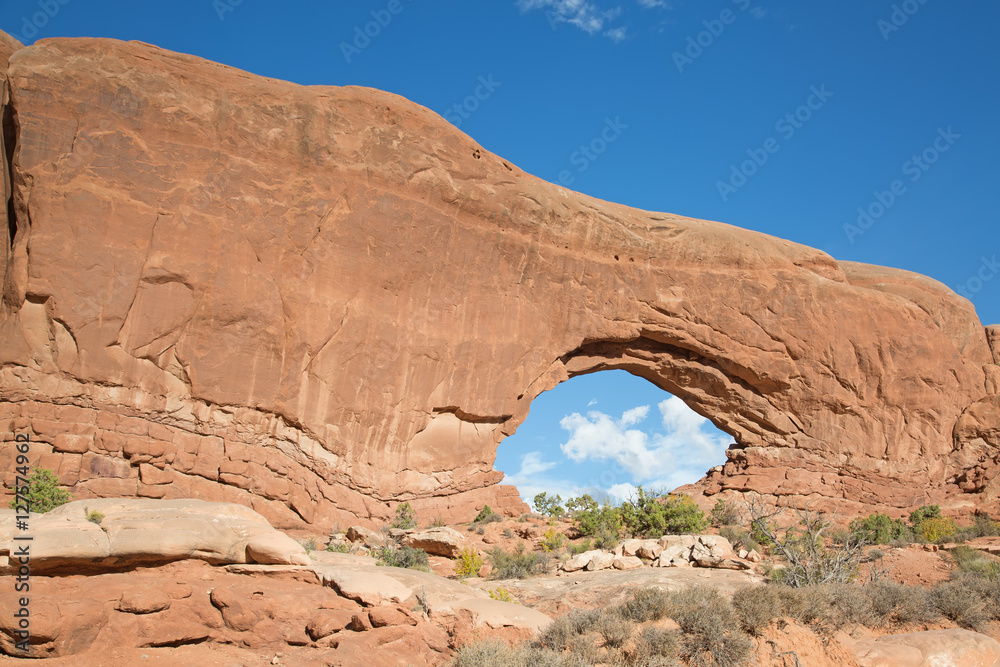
[955, 647]
[321, 301]
[107, 534]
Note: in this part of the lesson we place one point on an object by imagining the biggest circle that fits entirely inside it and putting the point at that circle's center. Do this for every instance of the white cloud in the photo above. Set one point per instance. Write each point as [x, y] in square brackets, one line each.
[616, 34]
[662, 460]
[593, 401]
[653, 4]
[758, 12]
[622, 492]
[585, 15]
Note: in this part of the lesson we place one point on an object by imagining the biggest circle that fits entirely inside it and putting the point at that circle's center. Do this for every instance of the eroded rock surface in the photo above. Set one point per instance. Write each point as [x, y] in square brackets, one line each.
[319, 301]
[107, 534]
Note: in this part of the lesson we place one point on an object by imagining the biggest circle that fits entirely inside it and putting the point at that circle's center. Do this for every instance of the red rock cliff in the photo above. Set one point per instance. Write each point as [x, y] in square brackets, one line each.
[320, 301]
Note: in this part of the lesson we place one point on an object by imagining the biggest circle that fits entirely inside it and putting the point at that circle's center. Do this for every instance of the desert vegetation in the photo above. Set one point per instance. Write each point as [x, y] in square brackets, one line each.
[822, 576]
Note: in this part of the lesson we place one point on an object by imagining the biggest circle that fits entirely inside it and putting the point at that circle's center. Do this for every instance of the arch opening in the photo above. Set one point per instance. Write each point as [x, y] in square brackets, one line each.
[605, 432]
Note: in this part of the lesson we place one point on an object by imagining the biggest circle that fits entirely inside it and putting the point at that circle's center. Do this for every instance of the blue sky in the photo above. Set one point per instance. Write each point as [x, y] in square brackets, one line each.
[867, 129]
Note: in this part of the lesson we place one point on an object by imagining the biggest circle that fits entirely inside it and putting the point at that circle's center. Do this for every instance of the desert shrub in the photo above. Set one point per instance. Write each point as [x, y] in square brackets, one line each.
[974, 562]
[655, 647]
[487, 515]
[468, 563]
[43, 493]
[503, 595]
[740, 538]
[309, 545]
[614, 629]
[810, 560]
[644, 604]
[580, 547]
[987, 589]
[897, 604]
[438, 522]
[921, 514]
[653, 514]
[408, 557]
[937, 529]
[551, 507]
[406, 518]
[553, 540]
[961, 604]
[711, 633]
[517, 564]
[498, 653]
[849, 605]
[726, 513]
[756, 607]
[560, 633]
[338, 547]
[880, 529]
[480, 530]
[983, 526]
[94, 516]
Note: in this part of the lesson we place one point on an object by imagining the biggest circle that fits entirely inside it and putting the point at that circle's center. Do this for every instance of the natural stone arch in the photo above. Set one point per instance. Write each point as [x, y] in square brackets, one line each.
[392, 296]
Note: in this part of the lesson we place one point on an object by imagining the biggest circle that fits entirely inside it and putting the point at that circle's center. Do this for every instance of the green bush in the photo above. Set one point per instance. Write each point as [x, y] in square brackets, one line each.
[880, 529]
[579, 547]
[487, 515]
[408, 557]
[549, 506]
[94, 516]
[468, 563]
[561, 632]
[603, 522]
[921, 514]
[406, 518]
[553, 540]
[44, 493]
[726, 513]
[517, 564]
[653, 515]
[338, 548]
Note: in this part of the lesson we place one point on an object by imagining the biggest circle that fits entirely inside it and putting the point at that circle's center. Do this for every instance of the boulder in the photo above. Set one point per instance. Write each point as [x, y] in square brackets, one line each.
[369, 588]
[443, 541]
[580, 561]
[626, 563]
[367, 537]
[601, 561]
[649, 550]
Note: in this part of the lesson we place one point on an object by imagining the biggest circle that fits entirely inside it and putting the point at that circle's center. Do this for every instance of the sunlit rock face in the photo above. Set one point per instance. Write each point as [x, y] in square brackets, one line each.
[321, 301]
